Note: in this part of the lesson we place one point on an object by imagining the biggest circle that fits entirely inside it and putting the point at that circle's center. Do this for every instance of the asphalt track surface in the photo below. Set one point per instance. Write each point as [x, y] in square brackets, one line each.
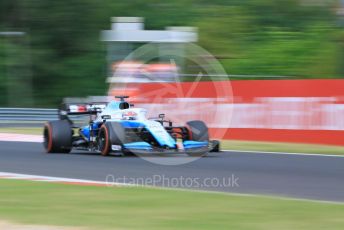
[296, 176]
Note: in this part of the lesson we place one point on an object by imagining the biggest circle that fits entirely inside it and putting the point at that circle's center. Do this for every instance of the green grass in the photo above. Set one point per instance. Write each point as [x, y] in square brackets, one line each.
[145, 208]
[233, 145]
[282, 147]
[23, 130]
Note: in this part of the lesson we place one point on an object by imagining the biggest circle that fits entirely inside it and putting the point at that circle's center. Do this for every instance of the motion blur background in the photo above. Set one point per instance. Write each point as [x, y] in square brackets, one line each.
[57, 46]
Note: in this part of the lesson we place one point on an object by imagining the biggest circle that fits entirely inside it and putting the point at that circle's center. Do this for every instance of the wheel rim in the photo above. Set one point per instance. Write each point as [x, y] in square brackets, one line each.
[47, 141]
[102, 140]
[46, 138]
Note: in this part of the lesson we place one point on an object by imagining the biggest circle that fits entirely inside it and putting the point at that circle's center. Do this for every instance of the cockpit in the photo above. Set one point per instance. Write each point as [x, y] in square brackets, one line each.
[121, 110]
[117, 105]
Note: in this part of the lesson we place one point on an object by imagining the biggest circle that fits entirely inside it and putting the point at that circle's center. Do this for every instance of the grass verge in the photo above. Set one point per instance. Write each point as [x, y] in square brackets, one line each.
[23, 130]
[282, 147]
[145, 208]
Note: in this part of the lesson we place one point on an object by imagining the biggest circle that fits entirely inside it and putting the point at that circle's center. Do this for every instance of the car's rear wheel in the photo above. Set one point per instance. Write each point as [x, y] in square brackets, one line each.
[198, 131]
[57, 136]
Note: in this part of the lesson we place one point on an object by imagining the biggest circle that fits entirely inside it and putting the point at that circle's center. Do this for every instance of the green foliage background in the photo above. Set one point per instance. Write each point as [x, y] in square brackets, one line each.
[253, 37]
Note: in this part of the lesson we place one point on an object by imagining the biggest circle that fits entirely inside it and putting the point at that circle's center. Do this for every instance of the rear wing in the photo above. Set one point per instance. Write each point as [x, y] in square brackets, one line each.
[79, 109]
[81, 106]
[90, 105]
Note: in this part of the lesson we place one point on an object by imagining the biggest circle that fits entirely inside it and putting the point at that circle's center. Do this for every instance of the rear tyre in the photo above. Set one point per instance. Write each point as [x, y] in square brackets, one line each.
[57, 136]
[198, 131]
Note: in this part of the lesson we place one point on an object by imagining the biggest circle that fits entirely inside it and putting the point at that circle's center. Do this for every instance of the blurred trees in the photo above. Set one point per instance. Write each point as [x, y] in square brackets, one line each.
[257, 37]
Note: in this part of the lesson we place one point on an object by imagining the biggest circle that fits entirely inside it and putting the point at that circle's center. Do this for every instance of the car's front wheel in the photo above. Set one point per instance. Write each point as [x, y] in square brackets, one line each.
[104, 140]
[111, 133]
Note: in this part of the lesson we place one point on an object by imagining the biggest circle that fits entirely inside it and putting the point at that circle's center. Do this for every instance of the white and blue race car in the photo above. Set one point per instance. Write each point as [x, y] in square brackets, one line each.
[118, 127]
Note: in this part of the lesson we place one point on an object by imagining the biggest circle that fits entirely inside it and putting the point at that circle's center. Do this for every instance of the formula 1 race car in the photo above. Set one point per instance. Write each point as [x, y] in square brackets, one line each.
[118, 127]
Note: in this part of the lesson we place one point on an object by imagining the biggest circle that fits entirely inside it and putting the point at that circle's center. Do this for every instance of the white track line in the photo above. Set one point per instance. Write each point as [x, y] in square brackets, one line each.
[28, 177]
[20, 137]
[18, 176]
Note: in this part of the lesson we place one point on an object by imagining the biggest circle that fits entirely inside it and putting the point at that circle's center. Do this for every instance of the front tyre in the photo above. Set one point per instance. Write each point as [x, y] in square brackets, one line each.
[104, 140]
[110, 133]
[214, 146]
[57, 136]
